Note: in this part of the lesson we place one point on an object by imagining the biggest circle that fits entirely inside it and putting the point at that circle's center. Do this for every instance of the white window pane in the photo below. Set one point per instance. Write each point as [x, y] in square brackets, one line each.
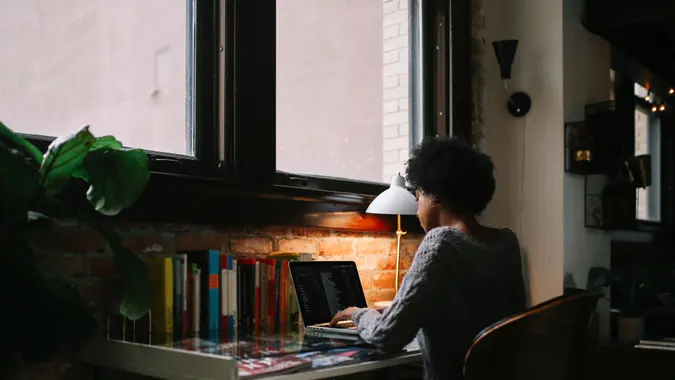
[116, 65]
[343, 98]
[640, 91]
[647, 141]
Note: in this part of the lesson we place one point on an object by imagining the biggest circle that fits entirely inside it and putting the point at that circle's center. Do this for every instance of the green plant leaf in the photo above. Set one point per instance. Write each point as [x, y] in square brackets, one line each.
[117, 178]
[134, 273]
[15, 141]
[100, 143]
[63, 158]
[107, 142]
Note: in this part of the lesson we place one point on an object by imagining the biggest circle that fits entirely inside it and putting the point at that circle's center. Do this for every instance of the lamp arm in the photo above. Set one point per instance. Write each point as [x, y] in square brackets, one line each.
[399, 235]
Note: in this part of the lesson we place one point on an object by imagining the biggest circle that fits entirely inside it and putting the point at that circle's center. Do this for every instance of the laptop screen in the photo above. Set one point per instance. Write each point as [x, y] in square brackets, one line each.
[325, 287]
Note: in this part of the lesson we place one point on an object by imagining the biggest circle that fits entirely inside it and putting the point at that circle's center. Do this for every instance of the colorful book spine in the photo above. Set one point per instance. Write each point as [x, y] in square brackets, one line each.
[213, 290]
[233, 294]
[196, 286]
[160, 270]
[257, 322]
[224, 297]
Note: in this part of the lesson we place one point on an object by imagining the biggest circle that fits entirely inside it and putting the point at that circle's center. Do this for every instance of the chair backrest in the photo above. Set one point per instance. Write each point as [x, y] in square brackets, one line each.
[547, 342]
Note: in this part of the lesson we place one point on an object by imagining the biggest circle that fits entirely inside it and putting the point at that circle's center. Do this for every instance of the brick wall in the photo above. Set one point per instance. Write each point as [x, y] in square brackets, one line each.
[395, 78]
[81, 255]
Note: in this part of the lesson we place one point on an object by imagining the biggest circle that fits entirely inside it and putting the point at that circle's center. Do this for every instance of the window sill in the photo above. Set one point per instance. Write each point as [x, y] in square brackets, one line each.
[175, 194]
[170, 198]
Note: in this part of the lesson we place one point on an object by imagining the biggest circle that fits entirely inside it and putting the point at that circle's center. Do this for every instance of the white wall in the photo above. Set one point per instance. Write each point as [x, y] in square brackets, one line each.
[528, 152]
[562, 67]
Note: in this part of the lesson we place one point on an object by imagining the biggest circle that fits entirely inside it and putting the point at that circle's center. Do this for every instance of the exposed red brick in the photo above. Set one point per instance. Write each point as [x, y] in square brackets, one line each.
[310, 232]
[352, 234]
[373, 246]
[405, 263]
[296, 245]
[362, 262]
[336, 246]
[140, 242]
[67, 239]
[191, 241]
[64, 266]
[250, 245]
[102, 267]
[409, 244]
[271, 231]
[384, 280]
[366, 279]
[387, 262]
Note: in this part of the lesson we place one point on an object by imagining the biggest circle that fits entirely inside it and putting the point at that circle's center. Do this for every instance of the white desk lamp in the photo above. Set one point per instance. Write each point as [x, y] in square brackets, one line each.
[396, 200]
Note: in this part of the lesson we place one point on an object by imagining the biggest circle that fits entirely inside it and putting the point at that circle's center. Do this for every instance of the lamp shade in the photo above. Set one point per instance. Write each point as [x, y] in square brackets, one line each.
[396, 200]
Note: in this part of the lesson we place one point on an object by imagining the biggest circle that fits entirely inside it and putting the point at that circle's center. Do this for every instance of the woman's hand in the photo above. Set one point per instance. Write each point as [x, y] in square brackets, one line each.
[344, 315]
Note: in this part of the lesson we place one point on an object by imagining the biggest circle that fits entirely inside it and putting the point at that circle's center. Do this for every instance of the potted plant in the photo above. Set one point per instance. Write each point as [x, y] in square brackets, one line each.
[645, 290]
[45, 320]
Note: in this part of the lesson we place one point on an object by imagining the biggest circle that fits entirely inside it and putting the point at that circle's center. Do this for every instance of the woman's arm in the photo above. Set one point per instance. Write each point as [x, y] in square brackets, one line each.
[398, 324]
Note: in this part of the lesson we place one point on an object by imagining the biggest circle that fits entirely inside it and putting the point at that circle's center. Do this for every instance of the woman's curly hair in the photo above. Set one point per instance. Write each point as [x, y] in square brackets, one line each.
[459, 176]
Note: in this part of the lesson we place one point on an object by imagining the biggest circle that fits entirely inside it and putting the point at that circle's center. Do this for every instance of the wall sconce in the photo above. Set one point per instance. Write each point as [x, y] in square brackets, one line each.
[519, 102]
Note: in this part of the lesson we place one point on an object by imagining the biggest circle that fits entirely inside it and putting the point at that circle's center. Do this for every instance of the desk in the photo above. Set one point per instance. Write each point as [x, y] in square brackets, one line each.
[611, 360]
[193, 359]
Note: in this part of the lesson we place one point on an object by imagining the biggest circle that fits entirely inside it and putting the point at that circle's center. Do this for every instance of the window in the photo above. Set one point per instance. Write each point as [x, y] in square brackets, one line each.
[648, 141]
[343, 88]
[325, 95]
[123, 67]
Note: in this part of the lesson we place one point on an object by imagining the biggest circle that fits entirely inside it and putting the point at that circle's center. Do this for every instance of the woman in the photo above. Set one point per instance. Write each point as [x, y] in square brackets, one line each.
[464, 277]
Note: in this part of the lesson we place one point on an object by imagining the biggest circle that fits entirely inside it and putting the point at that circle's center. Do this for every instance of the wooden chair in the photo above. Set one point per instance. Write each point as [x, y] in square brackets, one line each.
[547, 342]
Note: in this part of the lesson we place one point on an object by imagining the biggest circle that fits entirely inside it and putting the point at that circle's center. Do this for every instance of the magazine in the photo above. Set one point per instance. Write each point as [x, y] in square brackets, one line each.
[339, 356]
[192, 344]
[253, 368]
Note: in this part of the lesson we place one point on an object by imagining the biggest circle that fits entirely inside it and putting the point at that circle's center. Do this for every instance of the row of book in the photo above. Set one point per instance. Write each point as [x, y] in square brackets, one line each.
[214, 295]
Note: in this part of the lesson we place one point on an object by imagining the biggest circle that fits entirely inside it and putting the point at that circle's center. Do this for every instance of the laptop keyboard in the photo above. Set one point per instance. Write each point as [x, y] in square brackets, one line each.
[340, 325]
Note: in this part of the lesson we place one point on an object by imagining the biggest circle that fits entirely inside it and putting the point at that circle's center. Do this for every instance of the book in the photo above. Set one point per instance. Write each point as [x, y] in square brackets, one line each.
[254, 368]
[160, 271]
[208, 264]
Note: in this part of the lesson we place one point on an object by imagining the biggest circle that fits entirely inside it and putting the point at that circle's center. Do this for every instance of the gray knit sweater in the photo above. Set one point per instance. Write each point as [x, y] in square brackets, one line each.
[454, 288]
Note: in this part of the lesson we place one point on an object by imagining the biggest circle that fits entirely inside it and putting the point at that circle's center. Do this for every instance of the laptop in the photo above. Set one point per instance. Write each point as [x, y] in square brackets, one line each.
[323, 288]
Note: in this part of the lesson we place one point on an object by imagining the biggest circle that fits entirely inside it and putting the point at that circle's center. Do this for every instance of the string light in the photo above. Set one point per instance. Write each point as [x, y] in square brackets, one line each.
[662, 107]
[654, 109]
[648, 98]
[671, 91]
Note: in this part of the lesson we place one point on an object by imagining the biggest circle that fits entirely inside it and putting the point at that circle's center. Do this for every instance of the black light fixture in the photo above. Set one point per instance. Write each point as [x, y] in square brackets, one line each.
[519, 103]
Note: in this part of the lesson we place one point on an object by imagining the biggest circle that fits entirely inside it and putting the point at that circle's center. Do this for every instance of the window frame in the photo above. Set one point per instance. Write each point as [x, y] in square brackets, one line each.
[627, 72]
[654, 121]
[439, 30]
[240, 160]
